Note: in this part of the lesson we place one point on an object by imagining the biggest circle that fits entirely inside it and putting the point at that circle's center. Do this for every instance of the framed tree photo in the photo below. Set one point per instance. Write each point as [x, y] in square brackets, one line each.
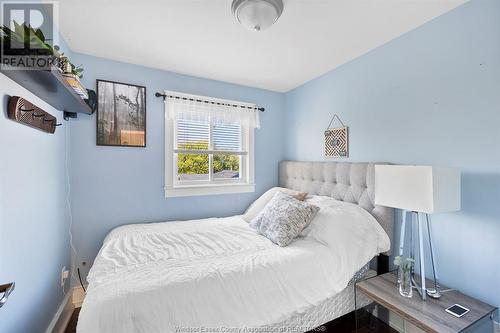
[121, 114]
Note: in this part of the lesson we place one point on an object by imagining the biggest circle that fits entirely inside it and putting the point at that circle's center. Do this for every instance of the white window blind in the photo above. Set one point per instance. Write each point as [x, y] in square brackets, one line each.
[227, 137]
[193, 134]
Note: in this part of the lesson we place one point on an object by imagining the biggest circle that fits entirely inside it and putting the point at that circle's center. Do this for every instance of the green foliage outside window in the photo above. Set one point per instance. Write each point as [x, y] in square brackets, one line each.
[192, 164]
[198, 163]
[226, 162]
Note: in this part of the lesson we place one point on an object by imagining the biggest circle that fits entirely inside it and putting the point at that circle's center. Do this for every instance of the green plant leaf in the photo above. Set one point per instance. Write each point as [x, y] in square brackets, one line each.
[26, 31]
[18, 29]
[39, 34]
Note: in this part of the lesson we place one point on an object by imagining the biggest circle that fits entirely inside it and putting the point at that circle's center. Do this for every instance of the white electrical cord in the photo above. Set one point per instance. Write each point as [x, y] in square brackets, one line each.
[74, 252]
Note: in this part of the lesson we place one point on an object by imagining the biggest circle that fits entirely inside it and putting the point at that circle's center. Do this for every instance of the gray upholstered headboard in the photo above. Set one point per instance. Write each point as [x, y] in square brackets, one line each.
[350, 182]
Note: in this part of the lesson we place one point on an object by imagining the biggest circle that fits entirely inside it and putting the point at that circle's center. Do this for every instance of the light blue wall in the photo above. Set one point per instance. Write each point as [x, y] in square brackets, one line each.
[34, 215]
[34, 243]
[112, 186]
[431, 97]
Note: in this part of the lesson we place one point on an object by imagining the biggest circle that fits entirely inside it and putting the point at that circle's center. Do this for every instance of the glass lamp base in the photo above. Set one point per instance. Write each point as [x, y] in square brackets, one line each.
[433, 293]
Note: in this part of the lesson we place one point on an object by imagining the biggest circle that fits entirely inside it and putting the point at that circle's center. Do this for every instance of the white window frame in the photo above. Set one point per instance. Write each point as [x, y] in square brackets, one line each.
[173, 188]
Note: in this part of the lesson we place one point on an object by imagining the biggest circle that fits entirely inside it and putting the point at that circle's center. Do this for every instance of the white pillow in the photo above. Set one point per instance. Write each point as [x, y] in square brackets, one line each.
[258, 205]
[339, 223]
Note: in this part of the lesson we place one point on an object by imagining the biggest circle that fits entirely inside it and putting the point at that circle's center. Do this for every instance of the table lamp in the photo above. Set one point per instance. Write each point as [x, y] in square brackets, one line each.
[420, 191]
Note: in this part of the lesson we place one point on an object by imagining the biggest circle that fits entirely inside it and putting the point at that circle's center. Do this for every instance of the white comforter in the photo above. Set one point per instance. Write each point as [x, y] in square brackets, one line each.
[217, 273]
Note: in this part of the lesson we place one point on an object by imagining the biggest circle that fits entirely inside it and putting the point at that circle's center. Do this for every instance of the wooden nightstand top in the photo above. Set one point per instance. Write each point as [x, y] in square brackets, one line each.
[430, 315]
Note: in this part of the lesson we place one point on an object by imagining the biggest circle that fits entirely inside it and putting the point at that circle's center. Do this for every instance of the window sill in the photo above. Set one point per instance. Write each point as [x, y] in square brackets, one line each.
[209, 189]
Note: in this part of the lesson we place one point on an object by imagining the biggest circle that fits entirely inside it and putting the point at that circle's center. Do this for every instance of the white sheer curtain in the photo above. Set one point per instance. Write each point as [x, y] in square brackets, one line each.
[176, 108]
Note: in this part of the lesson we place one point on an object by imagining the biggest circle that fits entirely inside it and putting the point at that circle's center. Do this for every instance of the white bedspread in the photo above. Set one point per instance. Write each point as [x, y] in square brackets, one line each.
[218, 273]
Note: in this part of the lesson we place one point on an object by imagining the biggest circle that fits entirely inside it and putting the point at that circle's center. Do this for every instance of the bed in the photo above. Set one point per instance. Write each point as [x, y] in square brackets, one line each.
[218, 274]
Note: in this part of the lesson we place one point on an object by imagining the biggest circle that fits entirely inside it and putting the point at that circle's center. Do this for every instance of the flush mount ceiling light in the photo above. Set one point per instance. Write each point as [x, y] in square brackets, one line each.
[257, 15]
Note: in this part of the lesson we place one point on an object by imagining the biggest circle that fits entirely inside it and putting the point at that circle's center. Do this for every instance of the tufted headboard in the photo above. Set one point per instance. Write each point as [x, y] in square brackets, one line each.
[350, 182]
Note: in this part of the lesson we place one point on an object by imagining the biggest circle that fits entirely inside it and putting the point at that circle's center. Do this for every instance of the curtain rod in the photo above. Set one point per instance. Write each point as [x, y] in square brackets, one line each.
[209, 102]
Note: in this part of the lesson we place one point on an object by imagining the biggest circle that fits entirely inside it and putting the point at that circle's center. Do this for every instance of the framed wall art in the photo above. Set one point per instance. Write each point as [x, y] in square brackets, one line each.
[337, 140]
[121, 114]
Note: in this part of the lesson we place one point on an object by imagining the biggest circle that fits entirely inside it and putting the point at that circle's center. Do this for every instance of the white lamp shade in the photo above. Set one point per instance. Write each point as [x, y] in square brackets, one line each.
[424, 189]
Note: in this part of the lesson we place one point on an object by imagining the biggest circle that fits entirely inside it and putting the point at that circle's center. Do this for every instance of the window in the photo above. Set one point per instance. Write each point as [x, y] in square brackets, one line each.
[205, 151]
[208, 146]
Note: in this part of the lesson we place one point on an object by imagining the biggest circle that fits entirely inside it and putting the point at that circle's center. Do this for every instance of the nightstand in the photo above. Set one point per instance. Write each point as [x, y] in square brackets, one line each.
[389, 311]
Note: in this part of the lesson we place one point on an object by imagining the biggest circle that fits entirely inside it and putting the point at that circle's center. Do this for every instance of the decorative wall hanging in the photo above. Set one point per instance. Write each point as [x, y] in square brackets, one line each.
[121, 114]
[26, 113]
[337, 140]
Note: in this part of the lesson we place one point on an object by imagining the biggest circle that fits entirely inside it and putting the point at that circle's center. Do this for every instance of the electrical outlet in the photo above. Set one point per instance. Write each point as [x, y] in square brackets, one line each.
[64, 275]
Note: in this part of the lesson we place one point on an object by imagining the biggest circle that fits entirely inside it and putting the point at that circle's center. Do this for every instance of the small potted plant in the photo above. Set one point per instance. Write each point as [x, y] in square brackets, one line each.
[77, 70]
[405, 268]
[64, 65]
[22, 35]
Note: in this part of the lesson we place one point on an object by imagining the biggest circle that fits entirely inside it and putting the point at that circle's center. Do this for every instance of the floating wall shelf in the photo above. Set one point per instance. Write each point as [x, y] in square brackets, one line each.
[51, 87]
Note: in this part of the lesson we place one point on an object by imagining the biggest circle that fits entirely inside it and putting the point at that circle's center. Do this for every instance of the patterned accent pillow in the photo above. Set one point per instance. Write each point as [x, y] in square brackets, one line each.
[283, 218]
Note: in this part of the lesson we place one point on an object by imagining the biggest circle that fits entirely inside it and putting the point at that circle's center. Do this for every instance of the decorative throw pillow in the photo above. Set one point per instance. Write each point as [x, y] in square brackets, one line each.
[258, 205]
[283, 218]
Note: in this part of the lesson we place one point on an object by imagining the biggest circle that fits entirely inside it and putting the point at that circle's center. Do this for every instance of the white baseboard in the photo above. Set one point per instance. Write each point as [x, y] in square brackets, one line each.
[62, 316]
[71, 300]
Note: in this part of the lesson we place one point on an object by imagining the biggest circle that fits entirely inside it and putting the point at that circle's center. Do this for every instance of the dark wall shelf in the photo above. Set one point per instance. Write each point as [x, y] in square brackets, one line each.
[51, 87]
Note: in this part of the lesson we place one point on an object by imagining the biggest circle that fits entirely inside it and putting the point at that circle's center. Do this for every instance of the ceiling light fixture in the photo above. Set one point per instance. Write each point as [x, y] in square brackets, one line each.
[257, 15]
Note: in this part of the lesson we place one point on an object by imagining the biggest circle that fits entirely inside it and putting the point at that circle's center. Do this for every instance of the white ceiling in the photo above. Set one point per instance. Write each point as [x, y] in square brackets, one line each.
[202, 38]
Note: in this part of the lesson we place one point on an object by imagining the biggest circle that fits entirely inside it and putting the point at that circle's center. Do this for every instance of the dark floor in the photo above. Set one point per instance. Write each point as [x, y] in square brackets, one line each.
[71, 328]
[344, 324]
[347, 324]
